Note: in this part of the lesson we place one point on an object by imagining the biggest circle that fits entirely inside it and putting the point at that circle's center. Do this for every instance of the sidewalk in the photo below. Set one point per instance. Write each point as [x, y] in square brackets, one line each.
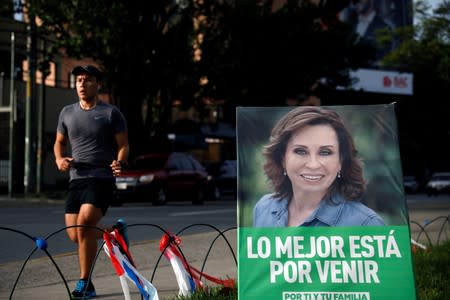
[41, 280]
[431, 214]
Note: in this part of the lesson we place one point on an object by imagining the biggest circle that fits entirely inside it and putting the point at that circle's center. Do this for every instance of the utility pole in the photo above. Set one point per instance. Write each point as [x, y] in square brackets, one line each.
[12, 117]
[30, 110]
[40, 118]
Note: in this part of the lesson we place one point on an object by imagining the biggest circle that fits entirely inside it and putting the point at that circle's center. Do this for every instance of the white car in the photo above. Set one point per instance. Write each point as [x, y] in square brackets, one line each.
[438, 183]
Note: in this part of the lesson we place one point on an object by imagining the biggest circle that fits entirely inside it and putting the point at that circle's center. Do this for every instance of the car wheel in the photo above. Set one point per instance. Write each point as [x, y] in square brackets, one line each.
[199, 197]
[213, 192]
[160, 197]
[216, 193]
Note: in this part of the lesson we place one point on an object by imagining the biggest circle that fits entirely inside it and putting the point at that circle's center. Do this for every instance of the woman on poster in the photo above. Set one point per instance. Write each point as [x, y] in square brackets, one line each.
[315, 173]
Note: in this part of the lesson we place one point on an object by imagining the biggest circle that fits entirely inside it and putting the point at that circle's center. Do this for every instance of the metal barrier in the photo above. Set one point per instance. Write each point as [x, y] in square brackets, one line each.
[43, 245]
[431, 233]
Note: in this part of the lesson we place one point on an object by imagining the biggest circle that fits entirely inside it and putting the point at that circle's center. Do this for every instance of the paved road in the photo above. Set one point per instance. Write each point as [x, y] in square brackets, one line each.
[44, 218]
[40, 280]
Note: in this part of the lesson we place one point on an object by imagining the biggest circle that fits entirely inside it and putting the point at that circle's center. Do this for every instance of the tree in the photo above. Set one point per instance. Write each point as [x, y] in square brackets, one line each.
[143, 46]
[425, 49]
[256, 55]
[425, 52]
[251, 53]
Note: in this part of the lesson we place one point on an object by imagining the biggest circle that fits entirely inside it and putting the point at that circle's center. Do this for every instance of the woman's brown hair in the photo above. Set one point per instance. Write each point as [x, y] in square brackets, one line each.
[351, 184]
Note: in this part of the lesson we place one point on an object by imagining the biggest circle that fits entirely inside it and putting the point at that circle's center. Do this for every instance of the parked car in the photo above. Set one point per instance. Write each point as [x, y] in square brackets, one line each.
[162, 177]
[438, 183]
[224, 178]
[410, 184]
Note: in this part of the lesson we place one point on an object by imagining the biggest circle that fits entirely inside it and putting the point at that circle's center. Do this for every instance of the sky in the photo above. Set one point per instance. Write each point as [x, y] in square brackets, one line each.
[434, 3]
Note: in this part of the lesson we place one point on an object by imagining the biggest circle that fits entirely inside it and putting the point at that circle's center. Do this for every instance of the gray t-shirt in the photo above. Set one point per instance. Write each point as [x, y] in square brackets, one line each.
[91, 135]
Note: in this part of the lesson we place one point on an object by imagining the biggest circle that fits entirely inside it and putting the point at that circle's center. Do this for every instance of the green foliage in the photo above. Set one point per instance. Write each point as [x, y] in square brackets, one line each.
[432, 272]
[144, 48]
[425, 53]
[249, 52]
[425, 49]
[6, 9]
[217, 293]
[260, 57]
[96, 36]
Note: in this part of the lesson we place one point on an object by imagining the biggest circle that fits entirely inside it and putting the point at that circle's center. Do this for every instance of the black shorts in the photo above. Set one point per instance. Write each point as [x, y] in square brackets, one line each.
[97, 191]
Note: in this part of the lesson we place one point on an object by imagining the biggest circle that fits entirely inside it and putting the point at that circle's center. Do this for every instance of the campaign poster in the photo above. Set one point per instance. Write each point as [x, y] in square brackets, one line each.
[352, 244]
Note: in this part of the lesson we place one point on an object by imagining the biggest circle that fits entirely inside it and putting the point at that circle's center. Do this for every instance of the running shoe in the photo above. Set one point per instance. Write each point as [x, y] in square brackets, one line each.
[84, 290]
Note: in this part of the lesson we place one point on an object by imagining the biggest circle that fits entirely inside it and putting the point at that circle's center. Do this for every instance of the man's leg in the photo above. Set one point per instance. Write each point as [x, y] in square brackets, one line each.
[71, 220]
[87, 237]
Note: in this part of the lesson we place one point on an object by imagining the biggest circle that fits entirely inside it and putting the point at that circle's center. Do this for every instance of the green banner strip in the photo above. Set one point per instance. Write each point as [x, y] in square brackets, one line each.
[325, 263]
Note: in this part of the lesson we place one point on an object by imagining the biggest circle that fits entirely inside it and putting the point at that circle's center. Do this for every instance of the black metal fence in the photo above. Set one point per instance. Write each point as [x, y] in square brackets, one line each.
[16, 273]
[431, 233]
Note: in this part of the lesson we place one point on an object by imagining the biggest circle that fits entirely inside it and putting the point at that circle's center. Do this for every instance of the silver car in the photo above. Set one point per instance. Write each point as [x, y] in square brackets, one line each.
[438, 183]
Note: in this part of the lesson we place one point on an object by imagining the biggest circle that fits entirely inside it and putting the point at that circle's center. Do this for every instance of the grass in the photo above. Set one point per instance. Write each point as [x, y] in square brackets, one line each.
[216, 293]
[432, 272]
[432, 275]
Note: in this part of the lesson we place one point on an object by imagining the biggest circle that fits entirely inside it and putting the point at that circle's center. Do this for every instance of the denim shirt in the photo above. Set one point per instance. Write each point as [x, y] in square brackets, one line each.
[271, 212]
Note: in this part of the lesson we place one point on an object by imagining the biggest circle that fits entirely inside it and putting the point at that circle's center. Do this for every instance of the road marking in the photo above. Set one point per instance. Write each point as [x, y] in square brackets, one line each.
[203, 212]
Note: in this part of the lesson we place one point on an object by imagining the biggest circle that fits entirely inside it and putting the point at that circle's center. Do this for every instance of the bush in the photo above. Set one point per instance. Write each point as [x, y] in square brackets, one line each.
[432, 272]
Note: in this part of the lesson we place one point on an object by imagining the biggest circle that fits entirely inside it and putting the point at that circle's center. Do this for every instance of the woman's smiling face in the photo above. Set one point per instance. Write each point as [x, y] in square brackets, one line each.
[312, 159]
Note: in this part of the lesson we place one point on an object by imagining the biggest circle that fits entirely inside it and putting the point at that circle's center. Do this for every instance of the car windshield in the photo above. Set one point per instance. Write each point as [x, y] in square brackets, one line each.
[441, 177]
[148, 163]
[183, 161]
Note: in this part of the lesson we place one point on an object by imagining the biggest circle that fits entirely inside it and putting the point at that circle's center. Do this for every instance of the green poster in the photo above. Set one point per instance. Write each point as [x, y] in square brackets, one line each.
[321, 207]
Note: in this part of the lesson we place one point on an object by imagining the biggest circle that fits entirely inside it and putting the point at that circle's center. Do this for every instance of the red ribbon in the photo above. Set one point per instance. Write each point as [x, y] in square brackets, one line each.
[108, 238]
[169, 241]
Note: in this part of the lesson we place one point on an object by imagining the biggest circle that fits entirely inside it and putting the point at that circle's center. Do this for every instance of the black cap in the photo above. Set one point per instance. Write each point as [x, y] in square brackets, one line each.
[91, 70]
